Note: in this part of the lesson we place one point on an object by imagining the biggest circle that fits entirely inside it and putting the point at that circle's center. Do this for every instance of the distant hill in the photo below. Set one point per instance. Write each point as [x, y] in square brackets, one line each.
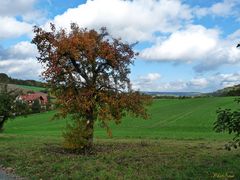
[14, 87]
[228, 91]
[4, 78]
[177, 94]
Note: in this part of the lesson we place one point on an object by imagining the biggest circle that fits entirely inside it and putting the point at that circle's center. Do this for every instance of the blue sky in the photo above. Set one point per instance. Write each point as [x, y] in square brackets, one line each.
[184, 45]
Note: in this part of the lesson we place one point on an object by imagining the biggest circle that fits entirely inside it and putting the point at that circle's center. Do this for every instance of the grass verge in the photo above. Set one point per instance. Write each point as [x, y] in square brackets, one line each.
[38, 158]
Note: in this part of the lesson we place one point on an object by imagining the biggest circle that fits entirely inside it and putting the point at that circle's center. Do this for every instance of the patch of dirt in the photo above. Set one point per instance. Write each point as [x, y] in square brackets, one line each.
[8, 173]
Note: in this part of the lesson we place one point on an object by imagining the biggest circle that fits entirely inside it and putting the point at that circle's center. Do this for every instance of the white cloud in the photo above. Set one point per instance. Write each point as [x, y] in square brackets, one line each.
[21, 68]
[146, 82]
[229, 77]
[151, 77]
[177, 85]
[225, 53]
[166, 23]
[23, 9]
[19, 61]
[235, 36]
[134, 20]
[18, 16]
[23, 49]
[198, 84]
[11, 28]
[16, 7]
[226, 79]
[197, 44]
[193, 85]
[141, 20]
[190, 44]
[223, 8]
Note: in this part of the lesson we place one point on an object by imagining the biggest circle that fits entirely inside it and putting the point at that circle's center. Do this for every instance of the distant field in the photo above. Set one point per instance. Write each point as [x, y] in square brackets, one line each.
[24, 88]
[176, 143]
[32, 88]
[169, 118]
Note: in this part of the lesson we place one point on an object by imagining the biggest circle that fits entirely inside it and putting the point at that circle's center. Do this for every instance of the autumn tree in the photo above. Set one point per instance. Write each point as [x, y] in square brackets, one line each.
[87, 71]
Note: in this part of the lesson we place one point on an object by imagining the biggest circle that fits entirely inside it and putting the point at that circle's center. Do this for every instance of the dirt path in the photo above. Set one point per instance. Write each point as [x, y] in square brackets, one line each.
[4, 176]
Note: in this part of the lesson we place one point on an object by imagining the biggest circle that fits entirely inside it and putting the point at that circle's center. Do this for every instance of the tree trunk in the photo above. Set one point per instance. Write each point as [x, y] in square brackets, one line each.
[90, 131]
[2, 123]
[80, 135]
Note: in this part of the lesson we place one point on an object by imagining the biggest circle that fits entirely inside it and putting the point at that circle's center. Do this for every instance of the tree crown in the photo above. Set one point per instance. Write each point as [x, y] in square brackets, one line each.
[88, 73]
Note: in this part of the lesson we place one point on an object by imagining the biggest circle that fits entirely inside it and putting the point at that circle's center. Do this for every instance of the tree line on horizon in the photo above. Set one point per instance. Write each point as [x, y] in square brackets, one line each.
[4, 78]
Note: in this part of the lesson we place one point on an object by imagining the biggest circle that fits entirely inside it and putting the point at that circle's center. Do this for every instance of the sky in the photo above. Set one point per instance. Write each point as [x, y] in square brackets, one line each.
[183, 45]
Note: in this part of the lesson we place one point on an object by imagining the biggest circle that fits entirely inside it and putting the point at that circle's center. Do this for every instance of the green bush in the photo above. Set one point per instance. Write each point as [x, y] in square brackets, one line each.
[36, 107]
[229, 121]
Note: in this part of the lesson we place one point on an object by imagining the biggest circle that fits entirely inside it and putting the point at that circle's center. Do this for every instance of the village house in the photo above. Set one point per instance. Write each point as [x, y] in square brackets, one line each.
[30, 98]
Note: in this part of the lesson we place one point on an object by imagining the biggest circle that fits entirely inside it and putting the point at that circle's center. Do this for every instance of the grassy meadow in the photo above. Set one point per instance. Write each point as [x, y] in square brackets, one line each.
[31, 88]
[169, 119]
[177, 142]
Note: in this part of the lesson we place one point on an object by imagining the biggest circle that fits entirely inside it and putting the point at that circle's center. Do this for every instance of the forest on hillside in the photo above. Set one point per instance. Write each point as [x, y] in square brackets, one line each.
[4, 78]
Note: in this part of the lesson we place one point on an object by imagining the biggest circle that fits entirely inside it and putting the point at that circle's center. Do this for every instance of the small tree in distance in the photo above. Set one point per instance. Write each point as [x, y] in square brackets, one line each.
[36, 107]
[88, 73]
[9, 106]
[6, 104]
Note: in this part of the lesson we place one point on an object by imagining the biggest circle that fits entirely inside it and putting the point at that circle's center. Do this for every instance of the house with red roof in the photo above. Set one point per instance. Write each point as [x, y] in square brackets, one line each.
[30, 98]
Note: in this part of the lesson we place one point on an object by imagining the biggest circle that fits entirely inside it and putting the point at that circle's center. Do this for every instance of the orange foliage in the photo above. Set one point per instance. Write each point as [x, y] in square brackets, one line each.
[88, 72]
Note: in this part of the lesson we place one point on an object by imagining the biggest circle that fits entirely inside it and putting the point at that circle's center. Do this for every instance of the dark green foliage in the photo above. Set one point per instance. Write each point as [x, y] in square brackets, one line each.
[30, 92]
[36, 107]
[8, 80]
[229, 121]
[184, 97]
[228, 91]
[4, 78]
[21, 108]
[6, 104]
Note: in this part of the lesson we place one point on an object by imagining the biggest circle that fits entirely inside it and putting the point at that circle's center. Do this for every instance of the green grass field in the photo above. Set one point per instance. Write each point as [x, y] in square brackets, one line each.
[177, 142]
[31, 88]
[169, 118]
